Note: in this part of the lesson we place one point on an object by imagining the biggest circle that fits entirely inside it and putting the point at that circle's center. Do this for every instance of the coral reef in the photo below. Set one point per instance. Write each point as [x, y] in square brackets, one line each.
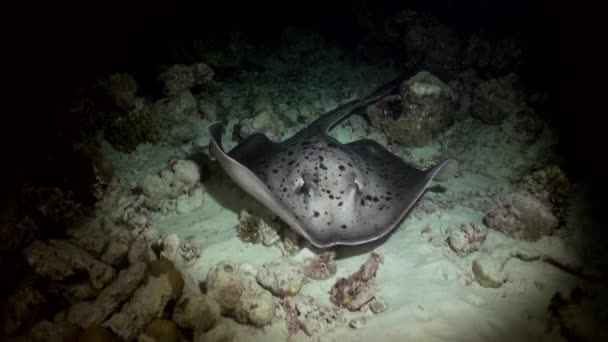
[86, 314]
[254, 229]
[60, 259]
[424, 109]
[316, 319]
[359, 288]
[239, 295]
[550, 185]
[282, 277]
[467, 238]
[321, 266]
[133, 128]
[182, 252]
[45, 331]
[498, 98]
[198, 313]
[161, 330]
[521, 216]
[120, 89]
[21, 309]
[179, 77]
[578, 314]
[172, 188]
[163, 285]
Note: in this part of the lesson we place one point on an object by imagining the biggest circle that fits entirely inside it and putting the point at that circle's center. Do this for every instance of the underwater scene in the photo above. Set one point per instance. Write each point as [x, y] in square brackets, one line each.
[387, 171]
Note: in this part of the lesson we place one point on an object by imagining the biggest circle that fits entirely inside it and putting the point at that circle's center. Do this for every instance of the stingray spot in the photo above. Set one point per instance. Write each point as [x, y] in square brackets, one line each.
[325, 213]
[341, 167]
[340, 204]
[329, 223]
[362, 201]
[341, 192]
[331, 196]
[321, 158]
[316, 213]
[368, 197]
[275, 171]
[389, 193]
[375, 199]
[349, 164]
[338, 197]
[389, 198]
[291, 162]
[322, 166]
[284, 189]
[343, 226]
[289, 153]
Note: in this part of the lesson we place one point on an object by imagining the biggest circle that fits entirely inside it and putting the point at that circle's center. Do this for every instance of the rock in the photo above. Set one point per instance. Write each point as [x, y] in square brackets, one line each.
[551, 186]
[117, 251]
[220, 333]
[89, 236]
[478, 52]
[255, 229]
[256, 305]
[467, 238]
[96, 333]
[162, 190]
[187, 203]
[164, 266]
[496, 99]
[443, 54]
[316, 319]
[283, 277]
[488, 272]
[86, 314]
[21, 309]
[140, 251]
[121, 90]
[78, 292]
[181, 252]
[359, 288]
[60, 259]
[239, 295]
[378, 305]
[198, 313]
[358, 322]
[521, 216]
[45, 331]
[424, 109]
[181, 77]
[148, 302]
[163, 330]
[320, 267]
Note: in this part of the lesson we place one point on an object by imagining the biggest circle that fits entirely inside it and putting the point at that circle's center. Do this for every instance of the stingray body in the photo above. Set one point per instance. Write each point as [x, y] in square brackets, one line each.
[330, 193]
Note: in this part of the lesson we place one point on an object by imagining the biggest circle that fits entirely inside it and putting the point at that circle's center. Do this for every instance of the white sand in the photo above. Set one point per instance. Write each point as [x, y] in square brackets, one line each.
[431, 291]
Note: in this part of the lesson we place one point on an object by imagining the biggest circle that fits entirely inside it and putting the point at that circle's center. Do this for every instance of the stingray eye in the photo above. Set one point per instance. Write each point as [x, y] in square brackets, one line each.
[358, 184]
[304, 189]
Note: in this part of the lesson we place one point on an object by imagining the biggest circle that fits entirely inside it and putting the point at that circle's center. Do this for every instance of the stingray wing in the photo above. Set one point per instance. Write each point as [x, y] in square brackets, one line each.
[393, 188]
[240, 164]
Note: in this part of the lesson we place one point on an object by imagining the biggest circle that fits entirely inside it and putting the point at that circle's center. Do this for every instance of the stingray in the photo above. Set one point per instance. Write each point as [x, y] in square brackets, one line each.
[330, 193]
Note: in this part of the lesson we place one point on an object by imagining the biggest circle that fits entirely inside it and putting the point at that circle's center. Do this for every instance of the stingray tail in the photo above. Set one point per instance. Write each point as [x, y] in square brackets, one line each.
[332, 118]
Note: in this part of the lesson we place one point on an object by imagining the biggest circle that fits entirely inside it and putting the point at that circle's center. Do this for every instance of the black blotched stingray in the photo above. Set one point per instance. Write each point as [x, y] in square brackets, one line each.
[330, 193]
